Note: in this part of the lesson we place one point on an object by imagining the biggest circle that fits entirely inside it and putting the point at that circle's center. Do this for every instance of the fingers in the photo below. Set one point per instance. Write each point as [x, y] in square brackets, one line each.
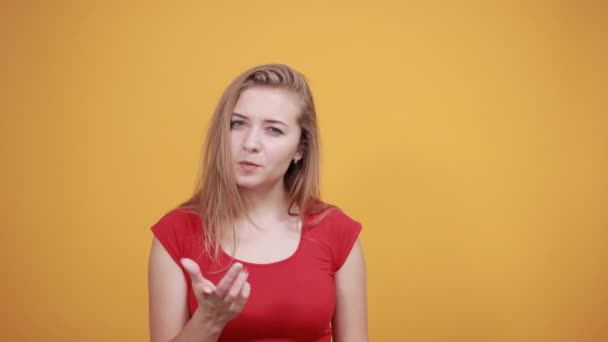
[245, 291]
[232, 292]
[226, 283]
[240, 301]
[236, 287]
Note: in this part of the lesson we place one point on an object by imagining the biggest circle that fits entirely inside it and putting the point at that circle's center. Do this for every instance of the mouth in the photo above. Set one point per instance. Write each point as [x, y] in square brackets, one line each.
[248, 167]
[249, 163]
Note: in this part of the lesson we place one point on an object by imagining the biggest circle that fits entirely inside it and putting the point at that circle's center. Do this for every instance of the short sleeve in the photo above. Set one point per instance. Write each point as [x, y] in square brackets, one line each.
[171, 231]
[344, 234]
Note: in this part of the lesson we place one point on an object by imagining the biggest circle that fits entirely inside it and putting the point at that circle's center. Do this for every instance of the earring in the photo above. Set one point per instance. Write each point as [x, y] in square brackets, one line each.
[295, 161]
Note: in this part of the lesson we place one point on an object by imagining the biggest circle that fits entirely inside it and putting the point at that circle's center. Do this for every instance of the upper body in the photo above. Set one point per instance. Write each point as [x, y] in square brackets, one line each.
[292, 299]
[254, 254]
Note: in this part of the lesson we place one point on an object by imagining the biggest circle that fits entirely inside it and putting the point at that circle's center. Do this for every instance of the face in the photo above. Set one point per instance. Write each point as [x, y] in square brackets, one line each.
[265, 136]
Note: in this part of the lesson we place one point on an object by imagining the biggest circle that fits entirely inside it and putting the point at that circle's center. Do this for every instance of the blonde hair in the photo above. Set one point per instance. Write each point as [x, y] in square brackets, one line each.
[216, 195]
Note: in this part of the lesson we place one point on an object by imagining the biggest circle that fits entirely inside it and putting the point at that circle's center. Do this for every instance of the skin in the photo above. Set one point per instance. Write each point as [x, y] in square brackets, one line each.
[264, 131]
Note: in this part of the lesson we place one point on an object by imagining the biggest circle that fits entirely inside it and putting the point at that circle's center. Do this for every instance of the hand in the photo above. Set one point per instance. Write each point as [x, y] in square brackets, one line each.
[222, 303]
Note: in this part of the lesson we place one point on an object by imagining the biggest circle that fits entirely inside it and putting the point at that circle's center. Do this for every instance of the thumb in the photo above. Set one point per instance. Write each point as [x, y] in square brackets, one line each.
[200, 286]
[193, 270]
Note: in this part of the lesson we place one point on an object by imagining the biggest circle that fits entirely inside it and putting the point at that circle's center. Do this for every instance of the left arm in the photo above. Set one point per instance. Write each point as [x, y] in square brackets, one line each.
[350, 319]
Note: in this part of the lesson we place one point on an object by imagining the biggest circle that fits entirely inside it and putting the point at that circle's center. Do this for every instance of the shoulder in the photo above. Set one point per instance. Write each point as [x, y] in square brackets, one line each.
[338, 232]
[179, 214]
[179, 232]
[338, 216]
[333, 225]
[179, 221]
[333, 217]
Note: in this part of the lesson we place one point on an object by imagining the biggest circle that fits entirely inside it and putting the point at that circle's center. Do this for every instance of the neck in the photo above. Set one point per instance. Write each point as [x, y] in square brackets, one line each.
[266, 204]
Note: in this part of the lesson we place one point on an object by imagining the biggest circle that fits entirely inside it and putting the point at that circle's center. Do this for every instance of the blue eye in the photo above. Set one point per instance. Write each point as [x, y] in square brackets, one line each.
[236, 123]
[275, 131]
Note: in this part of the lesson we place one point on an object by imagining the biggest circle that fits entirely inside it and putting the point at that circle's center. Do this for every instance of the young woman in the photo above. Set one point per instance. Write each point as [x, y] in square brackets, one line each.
[254, 254]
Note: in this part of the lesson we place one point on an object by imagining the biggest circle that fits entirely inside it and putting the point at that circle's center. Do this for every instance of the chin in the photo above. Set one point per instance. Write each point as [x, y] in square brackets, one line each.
[254, 184]
[248, 184]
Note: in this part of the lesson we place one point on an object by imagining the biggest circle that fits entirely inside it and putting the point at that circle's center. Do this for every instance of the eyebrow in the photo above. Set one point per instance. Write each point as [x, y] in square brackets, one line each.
[268, 121]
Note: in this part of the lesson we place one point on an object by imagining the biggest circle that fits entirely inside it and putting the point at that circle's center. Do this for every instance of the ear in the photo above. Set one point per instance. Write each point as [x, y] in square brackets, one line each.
[298, 155]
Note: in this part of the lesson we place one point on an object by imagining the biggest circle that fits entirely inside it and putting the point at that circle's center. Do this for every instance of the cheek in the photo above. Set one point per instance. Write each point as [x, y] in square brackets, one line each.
[283, 153]
[234, 142]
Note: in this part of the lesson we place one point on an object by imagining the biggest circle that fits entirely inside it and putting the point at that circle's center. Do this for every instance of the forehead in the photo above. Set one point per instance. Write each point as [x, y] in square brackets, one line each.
[268, 103]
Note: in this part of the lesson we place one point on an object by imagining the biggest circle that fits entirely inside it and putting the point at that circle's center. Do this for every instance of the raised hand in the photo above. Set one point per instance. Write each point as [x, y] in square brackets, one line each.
[219, 304]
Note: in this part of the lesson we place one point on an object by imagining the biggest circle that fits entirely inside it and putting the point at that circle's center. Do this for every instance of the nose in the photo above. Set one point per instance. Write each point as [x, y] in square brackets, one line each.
[251, 143]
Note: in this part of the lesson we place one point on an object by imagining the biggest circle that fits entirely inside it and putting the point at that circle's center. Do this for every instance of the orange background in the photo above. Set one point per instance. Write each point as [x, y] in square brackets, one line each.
[470, 140]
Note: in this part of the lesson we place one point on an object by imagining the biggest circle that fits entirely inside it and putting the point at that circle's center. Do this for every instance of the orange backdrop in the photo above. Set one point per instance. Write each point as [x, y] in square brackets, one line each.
[471, 141]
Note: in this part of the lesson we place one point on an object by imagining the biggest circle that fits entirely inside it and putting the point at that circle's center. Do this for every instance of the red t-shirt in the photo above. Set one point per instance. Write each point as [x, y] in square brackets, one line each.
[292, 299]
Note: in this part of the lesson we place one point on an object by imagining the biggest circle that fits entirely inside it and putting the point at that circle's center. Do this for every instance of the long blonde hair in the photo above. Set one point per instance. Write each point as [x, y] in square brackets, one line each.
[216, 195]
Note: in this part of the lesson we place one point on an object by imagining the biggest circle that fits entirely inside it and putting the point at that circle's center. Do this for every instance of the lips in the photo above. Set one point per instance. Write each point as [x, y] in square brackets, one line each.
[248, 163]
[248, 167]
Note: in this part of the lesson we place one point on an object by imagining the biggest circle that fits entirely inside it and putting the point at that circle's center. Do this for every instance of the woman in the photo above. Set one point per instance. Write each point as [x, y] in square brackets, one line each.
[255, 255]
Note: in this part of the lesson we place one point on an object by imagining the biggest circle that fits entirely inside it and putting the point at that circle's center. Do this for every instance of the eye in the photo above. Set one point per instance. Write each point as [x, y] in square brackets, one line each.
[275, 131]
[236, 123]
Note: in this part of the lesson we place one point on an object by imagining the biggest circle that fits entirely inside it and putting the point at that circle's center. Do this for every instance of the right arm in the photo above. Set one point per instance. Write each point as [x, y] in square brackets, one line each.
[168, 304]
[170, 319]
